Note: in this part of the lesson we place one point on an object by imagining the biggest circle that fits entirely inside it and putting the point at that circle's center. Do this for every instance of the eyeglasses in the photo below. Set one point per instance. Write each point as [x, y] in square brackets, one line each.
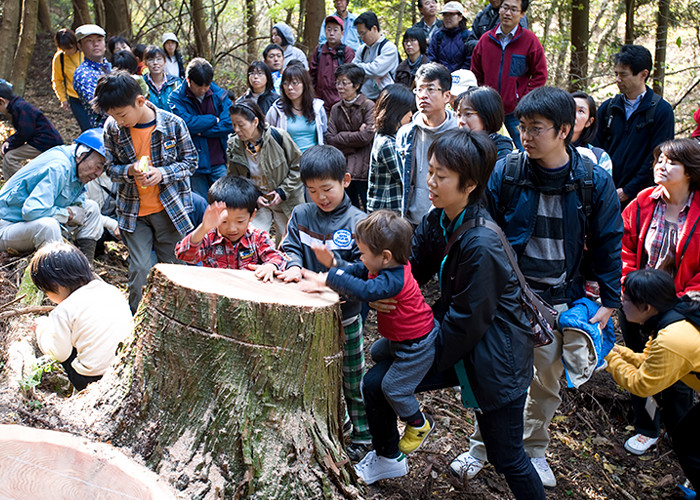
[343, 83]
[292, 83]
[508, 8]
[256, 73]
[431, 91]
[532, 131]
[468, 114]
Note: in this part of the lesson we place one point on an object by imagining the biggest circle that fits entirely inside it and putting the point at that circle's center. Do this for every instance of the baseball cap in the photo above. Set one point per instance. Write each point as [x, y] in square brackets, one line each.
[87, 30]
[453, 7]
[335, 19]
[170, 37]
[462, 79]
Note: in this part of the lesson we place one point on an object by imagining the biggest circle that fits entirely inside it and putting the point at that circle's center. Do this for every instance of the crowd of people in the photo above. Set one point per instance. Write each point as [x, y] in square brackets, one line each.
[380, 174]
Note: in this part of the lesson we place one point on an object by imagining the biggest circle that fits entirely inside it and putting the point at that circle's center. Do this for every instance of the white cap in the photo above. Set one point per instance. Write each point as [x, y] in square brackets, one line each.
[462, 79]
[453, 7]
[170, 37]
[87, 30]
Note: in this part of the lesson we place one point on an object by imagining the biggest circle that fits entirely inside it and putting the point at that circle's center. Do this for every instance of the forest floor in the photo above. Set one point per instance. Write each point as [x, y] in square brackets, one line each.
[586, 451]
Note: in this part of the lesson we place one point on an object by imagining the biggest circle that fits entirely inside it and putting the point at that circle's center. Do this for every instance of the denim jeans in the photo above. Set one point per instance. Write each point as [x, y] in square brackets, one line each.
[201, 182]
[511, 123]
[502, 429]
[79, 112]
[686, 444]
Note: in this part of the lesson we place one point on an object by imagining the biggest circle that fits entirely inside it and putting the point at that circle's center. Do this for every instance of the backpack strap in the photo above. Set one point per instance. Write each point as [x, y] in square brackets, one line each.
[276, 136]
[340, 54]
[511, 179]
[650, 113]
[585, 187]
[62, 57]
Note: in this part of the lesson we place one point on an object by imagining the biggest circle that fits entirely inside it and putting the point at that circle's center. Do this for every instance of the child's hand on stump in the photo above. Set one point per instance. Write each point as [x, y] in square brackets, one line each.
[290, 275]
[264, 272]
[313, 282]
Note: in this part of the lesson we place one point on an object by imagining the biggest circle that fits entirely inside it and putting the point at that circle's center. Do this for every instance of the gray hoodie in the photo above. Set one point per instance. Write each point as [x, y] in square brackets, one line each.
[290, 51]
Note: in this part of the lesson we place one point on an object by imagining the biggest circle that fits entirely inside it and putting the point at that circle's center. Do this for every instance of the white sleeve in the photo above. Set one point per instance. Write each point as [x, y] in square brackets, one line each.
[53, 334]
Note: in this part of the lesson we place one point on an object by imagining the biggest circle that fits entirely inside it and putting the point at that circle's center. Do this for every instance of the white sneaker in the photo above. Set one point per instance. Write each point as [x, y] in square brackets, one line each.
[544, 471]
[466, 465]
[374, 467]
[639, 444]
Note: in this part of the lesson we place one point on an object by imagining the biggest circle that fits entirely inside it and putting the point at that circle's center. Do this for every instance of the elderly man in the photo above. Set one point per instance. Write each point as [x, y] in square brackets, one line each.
[91, 41]
[46, 199]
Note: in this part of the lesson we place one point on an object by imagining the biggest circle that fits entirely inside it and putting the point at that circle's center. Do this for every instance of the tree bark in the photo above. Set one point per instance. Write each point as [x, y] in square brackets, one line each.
[315, 14]
[629, 21]
[117, 18]
[44, 16]
[229, 383]
[251, 31]
[100, 12]
[578, 68]
[25, 47]
[399, 24]
[9, 32]
[81, 13]
[201, 35]
[660, 52]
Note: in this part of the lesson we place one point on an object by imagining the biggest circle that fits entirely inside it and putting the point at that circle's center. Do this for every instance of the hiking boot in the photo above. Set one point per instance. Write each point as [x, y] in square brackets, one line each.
[544, 471]
[466, 466]
[639, 444]
[374, 467]
[413, 437]
[356, 451]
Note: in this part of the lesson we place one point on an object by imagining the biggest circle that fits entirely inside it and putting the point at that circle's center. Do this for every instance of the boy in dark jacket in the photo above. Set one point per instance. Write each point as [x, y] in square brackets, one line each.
[326, 58]
[204, 107]
[33, 135]
[320, 236]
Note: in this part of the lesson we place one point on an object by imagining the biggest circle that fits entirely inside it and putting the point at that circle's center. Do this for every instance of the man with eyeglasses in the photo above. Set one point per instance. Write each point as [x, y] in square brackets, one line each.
[377, 56]
[511, 60]
[556, 208]
[432, 89]
[486, 20]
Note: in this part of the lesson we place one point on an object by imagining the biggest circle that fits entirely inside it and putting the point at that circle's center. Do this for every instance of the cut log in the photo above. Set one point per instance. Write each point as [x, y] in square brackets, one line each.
[37, 463]
[230, 387]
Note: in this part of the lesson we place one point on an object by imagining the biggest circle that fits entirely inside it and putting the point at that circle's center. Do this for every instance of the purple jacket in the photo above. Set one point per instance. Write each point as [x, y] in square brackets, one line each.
[31, 127]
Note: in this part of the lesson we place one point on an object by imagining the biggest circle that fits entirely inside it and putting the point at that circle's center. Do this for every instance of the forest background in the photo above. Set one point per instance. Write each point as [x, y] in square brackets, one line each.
[579, 36]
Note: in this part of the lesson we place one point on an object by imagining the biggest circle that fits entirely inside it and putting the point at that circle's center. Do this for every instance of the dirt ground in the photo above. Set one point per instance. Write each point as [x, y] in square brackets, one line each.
[586, 451]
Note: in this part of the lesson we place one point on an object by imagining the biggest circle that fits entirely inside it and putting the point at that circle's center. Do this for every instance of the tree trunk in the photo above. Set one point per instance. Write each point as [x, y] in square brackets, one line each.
[629, 21]
[199, 27]
[54, 461]
[399, 23]
[315, 14]
[44, 16]
[117, 18]
[660, 52]
[25, 47]
[9, 31]
[81, 13]
[578, 69]
[251, 31]
[229, 385]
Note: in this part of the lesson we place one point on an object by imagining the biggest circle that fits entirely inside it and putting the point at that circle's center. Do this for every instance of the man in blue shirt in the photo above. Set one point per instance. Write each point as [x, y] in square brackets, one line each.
[91, 41]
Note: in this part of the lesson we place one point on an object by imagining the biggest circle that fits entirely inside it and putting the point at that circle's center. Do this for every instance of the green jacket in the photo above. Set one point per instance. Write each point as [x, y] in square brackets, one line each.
[279, 163]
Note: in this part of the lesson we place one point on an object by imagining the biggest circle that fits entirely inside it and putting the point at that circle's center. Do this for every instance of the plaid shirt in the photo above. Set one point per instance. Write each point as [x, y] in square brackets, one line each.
[31, 127]
[84, 83]
[172, 152]
[654, 244]
[385, 186]
[255, 247]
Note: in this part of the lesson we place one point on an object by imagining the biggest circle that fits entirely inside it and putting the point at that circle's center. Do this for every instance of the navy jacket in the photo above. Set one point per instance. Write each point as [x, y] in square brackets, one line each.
[450, 48]
[600, 233]
[203, 127]
[481, 320]
[631, 143]
[31, 127]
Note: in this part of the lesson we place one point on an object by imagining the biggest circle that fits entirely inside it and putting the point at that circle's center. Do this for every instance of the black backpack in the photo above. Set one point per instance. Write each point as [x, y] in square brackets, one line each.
[339, 54]
[379, 50]
[513, 179]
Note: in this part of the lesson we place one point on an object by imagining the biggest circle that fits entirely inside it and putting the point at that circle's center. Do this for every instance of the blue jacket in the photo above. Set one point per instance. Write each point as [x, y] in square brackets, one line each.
[160, 97]
[45, 187]
[481, 319]
[450, 48]
[203, 127]
[631, 143]
[600, 233]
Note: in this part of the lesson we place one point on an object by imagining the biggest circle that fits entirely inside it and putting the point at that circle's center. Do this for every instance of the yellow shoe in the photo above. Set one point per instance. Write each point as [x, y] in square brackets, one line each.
[413, 437]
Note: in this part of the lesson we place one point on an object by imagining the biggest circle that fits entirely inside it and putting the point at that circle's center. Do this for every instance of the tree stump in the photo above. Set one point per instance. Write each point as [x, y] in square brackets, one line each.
[38, 463]
[230, 387]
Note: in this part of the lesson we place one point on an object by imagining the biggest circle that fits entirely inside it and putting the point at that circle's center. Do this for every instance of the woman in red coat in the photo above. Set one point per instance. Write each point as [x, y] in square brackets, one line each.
[661, 232]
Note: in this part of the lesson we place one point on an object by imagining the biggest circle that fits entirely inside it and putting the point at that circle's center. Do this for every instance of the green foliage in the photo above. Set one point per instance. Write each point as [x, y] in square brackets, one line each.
[43, 365]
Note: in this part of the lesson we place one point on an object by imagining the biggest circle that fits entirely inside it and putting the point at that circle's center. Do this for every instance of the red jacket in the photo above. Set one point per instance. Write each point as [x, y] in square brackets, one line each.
[513, 72]
[637, 218]
[322, 71]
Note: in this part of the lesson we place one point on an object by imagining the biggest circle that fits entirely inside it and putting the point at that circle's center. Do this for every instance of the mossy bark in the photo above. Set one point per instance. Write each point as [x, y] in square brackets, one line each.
[233, 385]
